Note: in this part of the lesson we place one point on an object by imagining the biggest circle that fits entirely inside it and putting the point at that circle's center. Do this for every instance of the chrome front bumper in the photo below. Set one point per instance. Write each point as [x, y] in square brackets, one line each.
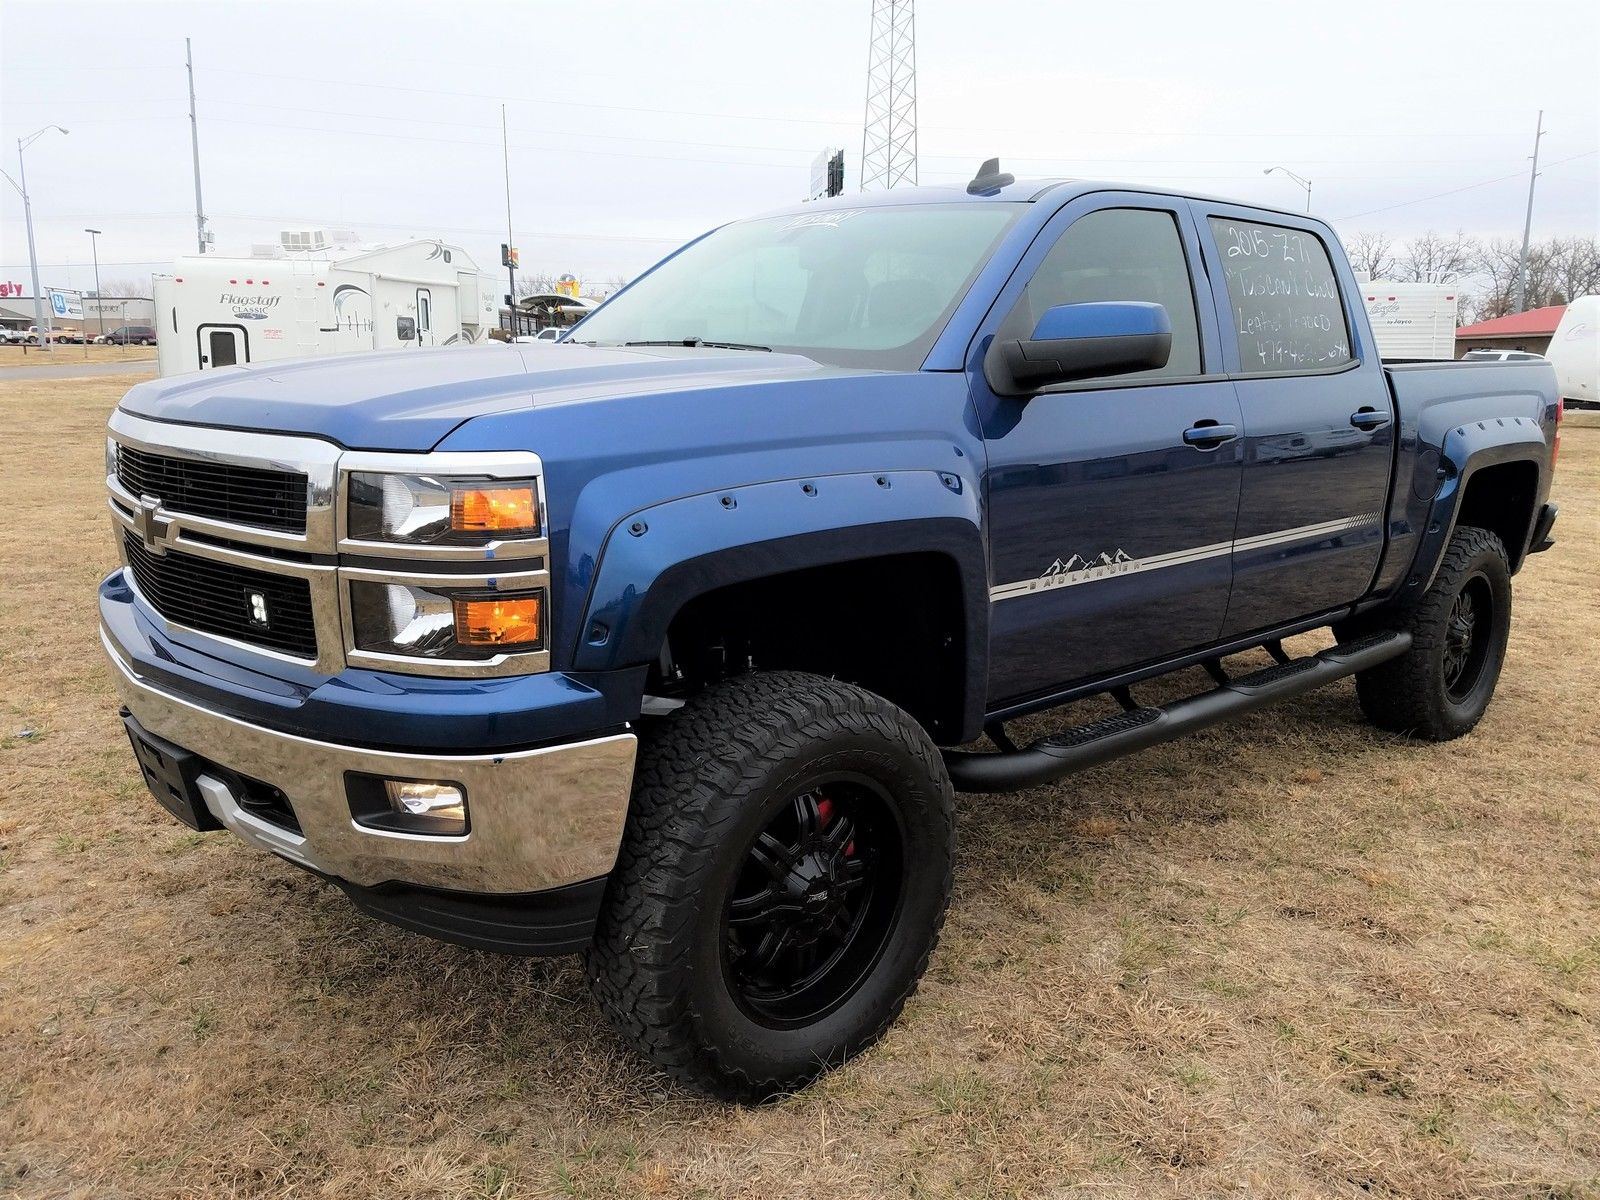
[538, 818]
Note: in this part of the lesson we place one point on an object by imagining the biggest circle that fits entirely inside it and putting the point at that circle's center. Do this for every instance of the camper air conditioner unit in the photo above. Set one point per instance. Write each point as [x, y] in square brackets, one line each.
[303, 239]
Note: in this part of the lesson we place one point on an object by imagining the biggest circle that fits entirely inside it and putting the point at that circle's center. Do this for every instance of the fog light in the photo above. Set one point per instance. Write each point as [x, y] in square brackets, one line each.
[421, 806]
[443, 801]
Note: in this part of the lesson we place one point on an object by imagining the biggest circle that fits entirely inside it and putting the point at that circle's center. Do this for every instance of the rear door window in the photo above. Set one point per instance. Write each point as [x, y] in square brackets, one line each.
[1287, 312]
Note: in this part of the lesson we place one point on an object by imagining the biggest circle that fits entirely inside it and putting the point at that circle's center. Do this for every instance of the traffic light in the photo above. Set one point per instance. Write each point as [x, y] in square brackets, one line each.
[508, 256]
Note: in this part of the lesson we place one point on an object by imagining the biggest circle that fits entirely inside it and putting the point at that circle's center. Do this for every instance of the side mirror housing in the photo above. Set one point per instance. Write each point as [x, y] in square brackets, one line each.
[1081, 341]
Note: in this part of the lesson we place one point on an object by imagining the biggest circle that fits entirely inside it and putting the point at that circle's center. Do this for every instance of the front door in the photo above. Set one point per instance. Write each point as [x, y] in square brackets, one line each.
[1319, 431]
[1111, 507]
[222, 346]
[424, 317]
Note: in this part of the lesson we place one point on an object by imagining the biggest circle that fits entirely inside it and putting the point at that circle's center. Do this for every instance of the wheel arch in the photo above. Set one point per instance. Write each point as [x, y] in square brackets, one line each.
[1496, 473]
[786, 556]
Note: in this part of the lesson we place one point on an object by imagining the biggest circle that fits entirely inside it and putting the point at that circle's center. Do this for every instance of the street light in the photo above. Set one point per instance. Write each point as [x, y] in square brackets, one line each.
[1301, 180]
[39, 321]
[99, 304]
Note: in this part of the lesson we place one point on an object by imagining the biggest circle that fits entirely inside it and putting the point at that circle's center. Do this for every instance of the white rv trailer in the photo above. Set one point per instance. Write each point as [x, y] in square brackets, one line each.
[305, 299]
[1574, 351]
[1412, 320]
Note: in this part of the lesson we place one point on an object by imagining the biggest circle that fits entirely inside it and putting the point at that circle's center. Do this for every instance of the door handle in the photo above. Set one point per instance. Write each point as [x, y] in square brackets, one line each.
[1206, 435]
[1369, 418]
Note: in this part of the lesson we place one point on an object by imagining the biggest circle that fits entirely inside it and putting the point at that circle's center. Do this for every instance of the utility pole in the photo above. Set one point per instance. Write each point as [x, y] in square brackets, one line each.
[194, 141]
[99, 303]
[511, 241]
[1527, 221]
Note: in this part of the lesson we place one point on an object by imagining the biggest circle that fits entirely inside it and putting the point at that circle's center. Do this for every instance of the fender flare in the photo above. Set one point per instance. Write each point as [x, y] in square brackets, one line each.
[655, 560]
[1467, 449]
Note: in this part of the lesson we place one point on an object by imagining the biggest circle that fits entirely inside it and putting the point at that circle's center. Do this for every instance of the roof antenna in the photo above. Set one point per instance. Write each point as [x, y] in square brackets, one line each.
[989, 179]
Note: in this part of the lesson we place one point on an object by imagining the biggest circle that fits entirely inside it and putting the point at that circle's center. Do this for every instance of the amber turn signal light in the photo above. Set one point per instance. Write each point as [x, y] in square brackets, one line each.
[500, 620]
[505, 510]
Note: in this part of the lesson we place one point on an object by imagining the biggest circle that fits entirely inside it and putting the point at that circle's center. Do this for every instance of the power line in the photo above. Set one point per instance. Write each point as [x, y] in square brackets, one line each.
[1467, 188]
[951, 156]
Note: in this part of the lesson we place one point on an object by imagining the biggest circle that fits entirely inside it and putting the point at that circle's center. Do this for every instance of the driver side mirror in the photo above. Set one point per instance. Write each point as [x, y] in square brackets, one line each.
[1081, 341]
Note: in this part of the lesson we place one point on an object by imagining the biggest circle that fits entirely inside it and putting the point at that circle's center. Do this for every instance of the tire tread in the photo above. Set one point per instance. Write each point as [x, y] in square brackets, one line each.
[690, 775]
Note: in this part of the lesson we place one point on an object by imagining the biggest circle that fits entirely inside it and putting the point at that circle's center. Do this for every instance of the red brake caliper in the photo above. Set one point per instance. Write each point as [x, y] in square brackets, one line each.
[825, 815]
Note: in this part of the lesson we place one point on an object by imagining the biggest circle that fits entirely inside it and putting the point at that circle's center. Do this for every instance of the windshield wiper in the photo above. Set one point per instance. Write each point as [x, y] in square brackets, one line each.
[694, 341]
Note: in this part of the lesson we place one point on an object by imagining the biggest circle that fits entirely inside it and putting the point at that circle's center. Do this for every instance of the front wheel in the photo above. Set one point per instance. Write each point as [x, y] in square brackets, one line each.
[1440, 688]
[781, 883]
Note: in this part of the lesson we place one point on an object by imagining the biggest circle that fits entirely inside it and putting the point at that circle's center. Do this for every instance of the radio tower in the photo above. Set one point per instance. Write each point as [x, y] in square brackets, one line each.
[889, 133]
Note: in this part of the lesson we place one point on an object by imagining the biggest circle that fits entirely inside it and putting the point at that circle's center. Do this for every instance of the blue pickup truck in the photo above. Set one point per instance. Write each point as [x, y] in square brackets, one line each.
[670, 642]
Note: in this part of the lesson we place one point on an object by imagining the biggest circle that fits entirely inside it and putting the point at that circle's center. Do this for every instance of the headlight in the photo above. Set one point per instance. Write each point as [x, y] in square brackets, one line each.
[111, 457]
[435, 510]
[427, 622]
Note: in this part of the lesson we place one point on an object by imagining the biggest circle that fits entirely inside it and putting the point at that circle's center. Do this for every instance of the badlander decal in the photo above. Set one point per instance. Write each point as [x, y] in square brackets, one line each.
[1118, 562]
[1079, 570]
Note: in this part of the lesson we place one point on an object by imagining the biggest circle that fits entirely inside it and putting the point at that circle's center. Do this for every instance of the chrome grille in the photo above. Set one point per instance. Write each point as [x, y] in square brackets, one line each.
[221, 491]
[219, 598]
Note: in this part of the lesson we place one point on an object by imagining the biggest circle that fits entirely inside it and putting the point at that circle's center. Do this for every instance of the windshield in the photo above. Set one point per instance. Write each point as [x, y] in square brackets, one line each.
[864, 287]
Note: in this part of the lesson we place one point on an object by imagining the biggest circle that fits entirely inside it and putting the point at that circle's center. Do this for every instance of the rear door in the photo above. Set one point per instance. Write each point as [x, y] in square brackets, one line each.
[1111, 503]
[1318, 421]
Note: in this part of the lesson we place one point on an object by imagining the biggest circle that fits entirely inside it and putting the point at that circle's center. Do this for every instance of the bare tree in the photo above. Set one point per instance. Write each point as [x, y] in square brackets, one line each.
[126, 288]
[1574, 269]
[1437, 258]
[1559, 269]
[1371, 253]
[536, 283]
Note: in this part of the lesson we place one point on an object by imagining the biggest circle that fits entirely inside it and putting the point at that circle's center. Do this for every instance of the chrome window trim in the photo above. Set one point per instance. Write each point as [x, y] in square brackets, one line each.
[517, 464]
[520, 662]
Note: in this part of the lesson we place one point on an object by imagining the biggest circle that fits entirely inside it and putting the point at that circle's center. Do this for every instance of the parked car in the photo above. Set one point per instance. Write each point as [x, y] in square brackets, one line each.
[132, 335]
[674, 651]
[550, 333]
[12, 337]
[1501, 356]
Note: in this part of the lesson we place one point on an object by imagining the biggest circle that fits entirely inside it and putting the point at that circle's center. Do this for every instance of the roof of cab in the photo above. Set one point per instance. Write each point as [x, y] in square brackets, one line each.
[1023, 190]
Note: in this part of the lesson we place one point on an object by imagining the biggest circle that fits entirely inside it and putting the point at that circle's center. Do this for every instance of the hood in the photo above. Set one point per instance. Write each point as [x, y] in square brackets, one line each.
[408, 400]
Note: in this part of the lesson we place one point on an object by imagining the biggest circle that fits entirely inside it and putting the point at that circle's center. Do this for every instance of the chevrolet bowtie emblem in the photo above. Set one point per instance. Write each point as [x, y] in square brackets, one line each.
[150, 526]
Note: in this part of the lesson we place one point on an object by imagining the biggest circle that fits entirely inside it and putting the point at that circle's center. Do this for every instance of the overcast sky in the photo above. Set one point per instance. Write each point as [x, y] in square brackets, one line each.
[636, 125]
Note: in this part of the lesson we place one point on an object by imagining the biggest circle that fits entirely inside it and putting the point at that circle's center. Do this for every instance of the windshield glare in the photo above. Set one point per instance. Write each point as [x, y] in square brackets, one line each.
[864, 287]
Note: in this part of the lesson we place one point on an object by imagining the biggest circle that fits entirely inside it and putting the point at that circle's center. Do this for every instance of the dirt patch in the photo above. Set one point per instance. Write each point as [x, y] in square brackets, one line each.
[1290, 957]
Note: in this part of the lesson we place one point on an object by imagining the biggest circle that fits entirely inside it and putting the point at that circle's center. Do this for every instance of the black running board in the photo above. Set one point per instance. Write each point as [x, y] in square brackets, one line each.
[1140, 728]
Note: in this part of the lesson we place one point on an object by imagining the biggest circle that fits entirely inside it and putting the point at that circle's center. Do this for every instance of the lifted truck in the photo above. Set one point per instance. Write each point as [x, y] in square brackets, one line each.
[670, 646]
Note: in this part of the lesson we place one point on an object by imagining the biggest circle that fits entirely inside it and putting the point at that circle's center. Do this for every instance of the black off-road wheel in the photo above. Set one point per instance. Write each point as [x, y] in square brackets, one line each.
[781, 885]
[1440, 688]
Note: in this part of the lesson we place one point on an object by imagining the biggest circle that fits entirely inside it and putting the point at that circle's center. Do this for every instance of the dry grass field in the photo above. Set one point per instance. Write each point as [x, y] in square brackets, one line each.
[1290, 957]
[32, 356]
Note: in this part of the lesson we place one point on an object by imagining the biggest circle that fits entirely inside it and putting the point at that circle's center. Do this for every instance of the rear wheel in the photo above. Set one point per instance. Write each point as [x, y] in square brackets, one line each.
[781, 884]
[1440, 688]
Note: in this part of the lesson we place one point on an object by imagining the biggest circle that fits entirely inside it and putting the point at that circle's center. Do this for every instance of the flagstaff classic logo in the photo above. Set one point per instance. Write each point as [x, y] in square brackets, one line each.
[248, 308]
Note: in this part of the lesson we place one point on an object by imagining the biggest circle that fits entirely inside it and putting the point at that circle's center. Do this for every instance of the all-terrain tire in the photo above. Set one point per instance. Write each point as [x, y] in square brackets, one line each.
[709, 779]
[1431, 692]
